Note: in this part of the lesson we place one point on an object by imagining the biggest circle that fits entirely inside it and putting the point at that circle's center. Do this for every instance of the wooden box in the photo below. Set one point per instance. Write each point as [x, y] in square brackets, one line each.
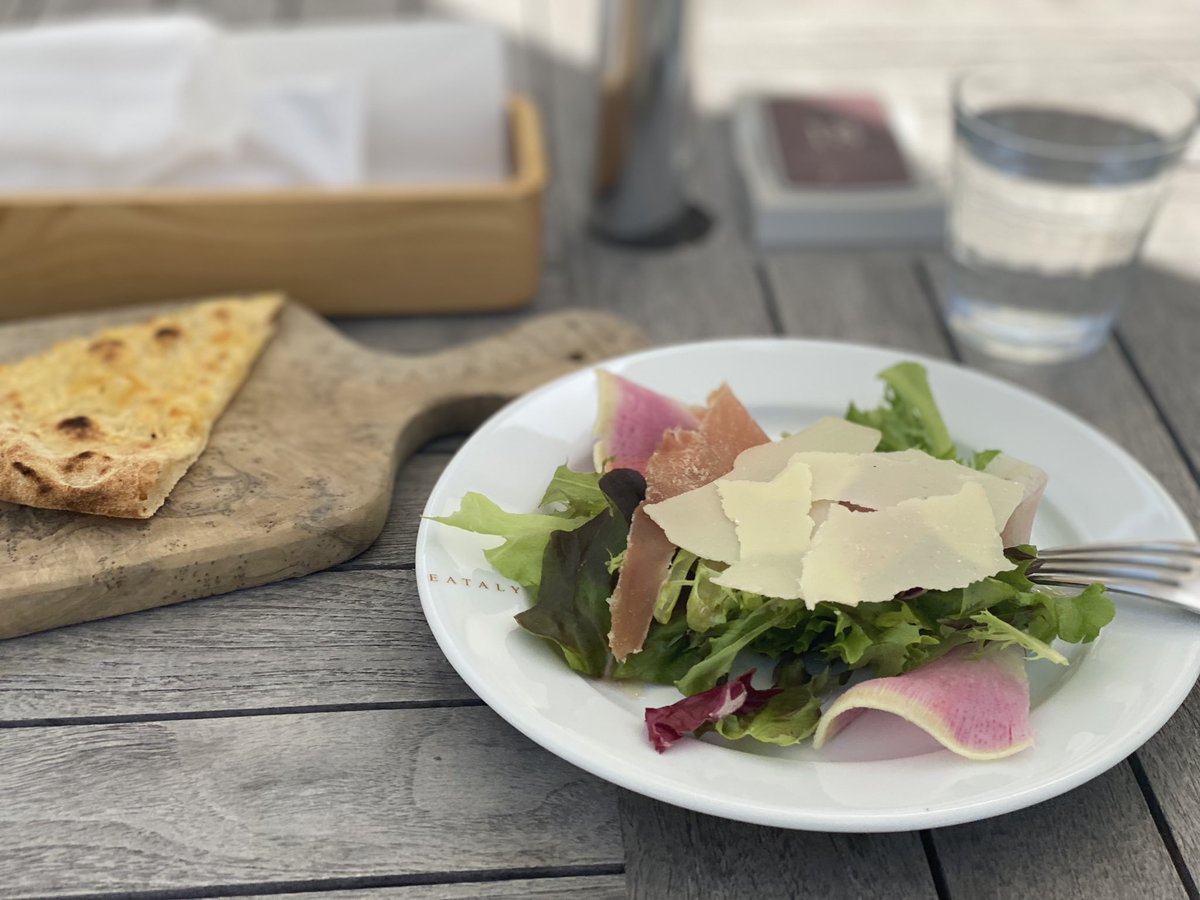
[370, 250]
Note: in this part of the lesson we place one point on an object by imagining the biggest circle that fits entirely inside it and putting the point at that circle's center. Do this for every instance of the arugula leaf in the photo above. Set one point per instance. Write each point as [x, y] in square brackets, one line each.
[787, 718]
[1081, 617]
[576, 493]
[909, 417]
[525, 535]
[739, 635]
[572, 606]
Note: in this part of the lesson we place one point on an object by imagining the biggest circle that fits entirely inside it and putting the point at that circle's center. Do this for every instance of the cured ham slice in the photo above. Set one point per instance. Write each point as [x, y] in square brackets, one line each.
[685, 459]
[648, 555]
[688, 459]
[976, 706]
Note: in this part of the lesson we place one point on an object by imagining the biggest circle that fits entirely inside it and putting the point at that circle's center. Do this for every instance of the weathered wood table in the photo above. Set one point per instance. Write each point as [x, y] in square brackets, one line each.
[309, 736]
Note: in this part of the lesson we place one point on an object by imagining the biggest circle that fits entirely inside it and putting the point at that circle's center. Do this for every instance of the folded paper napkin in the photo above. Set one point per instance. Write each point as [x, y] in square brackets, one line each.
[128, 102]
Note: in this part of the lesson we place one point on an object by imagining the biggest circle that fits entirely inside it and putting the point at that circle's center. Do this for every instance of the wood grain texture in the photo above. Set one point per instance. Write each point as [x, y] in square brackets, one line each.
[871, 298]
[343, 10]
[1160, 330]
[332, 639]
[593, 887]
[232, 13]
[731, 860]
[250, 801]
[396, 544]
[298, 474]
[1097, 841]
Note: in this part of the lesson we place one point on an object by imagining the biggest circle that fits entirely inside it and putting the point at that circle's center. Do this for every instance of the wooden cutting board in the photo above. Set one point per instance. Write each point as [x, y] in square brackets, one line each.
[298, 475]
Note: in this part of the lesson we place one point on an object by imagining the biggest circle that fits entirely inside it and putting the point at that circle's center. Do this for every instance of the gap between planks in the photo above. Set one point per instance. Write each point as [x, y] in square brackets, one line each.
[517, 876]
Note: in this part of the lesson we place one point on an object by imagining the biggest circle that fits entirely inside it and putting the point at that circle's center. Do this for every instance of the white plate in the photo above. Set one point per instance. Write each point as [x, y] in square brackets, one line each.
[878, 776]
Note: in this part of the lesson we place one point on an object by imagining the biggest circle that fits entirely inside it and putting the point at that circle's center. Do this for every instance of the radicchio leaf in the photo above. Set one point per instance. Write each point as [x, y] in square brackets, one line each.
[667, 724]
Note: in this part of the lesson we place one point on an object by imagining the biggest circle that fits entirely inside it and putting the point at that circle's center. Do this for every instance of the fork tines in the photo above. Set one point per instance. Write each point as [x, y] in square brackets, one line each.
[1148, 569]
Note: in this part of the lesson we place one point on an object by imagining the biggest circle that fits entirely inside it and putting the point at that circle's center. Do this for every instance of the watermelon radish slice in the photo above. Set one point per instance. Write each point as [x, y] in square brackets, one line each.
[630, 422]
[976, 706]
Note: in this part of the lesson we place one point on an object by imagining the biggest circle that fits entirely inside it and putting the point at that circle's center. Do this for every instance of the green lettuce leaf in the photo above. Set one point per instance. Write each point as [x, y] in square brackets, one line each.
[677, 580]
[909, 417]
[710, 605]
[787, 718]
[577, 494]
[740, 633]
[572, 604]
[666, 656]
[525, 535]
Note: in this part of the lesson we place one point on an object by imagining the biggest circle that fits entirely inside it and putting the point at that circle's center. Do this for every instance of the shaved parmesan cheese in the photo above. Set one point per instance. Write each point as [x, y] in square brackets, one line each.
[831, 435]
[880, 480]
[773, 528]
[694, 520]
[937, 543]
[771, 518]
[771, 576]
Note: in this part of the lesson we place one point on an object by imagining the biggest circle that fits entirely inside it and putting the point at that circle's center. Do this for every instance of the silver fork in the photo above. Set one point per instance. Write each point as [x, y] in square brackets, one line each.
[1161, 570]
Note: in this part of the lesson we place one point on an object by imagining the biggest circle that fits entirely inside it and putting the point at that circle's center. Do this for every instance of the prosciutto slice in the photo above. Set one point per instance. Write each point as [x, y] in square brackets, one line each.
[685, 459]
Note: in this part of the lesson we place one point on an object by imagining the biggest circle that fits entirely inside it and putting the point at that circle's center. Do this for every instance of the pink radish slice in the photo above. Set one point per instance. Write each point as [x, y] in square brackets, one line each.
[630, 422]
[978, 707]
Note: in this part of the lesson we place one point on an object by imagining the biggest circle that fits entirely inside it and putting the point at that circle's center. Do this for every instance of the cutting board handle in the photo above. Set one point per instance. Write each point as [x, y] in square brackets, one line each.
[464, 385]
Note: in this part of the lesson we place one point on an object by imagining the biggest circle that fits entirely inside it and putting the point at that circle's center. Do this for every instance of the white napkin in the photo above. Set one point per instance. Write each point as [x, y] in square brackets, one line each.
[163, 100]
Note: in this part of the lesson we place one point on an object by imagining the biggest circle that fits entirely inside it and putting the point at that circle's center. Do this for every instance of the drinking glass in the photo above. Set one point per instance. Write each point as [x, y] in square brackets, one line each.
[1057, 174]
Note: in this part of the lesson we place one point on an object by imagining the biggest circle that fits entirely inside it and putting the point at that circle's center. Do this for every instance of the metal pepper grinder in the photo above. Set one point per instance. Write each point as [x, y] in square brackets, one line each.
[642, 119]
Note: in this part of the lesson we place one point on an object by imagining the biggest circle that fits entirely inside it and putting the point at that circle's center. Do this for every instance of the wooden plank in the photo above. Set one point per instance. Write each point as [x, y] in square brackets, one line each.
[396, 546]
[593, 887]
[1159, 331]
[870, 297]
[232, 13]
[76, 9]
[340, 10]
[671, 852]
[335, 638]
[251, 801]
[881, 296]
[1098, 841]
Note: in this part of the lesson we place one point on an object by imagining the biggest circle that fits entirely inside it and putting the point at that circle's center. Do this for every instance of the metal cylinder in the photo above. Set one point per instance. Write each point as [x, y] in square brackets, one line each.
[642, 118]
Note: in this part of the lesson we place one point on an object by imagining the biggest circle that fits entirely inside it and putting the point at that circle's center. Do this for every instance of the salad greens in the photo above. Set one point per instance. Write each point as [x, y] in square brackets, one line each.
[568, 555]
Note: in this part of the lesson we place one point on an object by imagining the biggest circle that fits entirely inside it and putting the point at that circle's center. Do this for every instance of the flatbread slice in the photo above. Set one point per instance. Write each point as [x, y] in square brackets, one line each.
[108, 424]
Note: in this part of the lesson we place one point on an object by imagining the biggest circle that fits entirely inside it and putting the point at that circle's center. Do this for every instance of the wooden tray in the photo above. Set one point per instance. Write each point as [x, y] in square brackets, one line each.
[371, 250]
